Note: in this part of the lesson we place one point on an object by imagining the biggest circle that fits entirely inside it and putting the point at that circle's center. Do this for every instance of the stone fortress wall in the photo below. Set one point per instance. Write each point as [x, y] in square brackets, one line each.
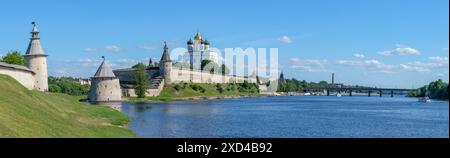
[195, 76]
[21, 73]
[190, 76]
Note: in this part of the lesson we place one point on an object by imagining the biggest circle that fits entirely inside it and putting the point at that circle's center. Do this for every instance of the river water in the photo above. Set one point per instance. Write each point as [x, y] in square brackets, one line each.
[291, 117]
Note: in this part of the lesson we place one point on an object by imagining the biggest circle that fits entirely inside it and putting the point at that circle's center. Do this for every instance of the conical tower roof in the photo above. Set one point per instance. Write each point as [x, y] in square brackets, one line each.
[166, 55]
[34, 47]
[104, 70]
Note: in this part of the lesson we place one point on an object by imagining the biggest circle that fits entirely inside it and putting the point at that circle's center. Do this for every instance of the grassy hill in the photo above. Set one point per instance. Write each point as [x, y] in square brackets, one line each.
[25, 113]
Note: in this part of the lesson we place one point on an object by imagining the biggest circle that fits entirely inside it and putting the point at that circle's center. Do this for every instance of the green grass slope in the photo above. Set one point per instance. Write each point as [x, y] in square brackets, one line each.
[31, 114]
[198, 91]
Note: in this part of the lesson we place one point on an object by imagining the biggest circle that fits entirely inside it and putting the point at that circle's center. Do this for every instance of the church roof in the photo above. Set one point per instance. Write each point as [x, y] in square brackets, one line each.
[34, 47]
[198, 37]
[166, 55]
[190, 42]
[104, 70]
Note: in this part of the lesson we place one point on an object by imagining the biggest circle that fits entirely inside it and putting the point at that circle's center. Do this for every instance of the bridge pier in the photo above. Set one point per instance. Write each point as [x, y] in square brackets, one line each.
[381, 93]
[328, 92]
[392, 94]
[351, 93]
[370, 93]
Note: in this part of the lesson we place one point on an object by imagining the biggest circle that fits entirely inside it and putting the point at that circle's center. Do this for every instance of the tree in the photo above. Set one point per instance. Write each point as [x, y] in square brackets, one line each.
[224, 70]
[54, 88]
[67, 85]
[14, 57]
[140, 79]
[209, 65]
[435, 90]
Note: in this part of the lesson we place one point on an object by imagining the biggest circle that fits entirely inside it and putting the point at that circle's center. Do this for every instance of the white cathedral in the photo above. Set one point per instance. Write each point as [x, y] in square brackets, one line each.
[199, 50]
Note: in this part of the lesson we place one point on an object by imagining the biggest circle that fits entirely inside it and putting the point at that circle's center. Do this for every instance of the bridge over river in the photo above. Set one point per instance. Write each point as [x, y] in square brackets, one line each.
[369, 91]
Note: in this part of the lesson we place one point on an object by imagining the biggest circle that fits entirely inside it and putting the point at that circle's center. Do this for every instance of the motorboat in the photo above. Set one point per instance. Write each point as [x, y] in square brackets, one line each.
[424, 99]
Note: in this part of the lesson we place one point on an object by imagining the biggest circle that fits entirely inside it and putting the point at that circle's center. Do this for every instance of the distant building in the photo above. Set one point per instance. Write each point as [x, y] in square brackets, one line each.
[34, 75]
[339, 85]
[199, 50]
[83, 81]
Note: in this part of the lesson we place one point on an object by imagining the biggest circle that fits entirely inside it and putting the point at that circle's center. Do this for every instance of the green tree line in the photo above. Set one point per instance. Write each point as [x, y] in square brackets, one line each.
[435, 90]
[67, 85]
[294, 85]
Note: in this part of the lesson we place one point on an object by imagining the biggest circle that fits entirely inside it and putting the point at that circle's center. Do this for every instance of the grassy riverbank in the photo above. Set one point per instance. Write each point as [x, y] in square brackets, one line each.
[203, 91]
[25, 113]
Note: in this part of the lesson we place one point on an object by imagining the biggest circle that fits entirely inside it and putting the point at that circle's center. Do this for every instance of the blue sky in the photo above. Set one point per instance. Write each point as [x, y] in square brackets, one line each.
[384, 43]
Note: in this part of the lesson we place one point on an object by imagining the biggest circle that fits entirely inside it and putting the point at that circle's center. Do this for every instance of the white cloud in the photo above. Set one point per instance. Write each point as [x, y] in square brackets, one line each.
[440, 74]
[358, 55]
[401, 50]
[446, 49]
[434, 64]
[90, 50]
[147, 47]
[285, 39]
[440, 60]
[437, 62]
[371, 65]
[107, 48]
[112, 48]
[308, 65]
[412, 67]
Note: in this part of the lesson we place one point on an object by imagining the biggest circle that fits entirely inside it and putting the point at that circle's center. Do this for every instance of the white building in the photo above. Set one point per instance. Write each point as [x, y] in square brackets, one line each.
[199, 50]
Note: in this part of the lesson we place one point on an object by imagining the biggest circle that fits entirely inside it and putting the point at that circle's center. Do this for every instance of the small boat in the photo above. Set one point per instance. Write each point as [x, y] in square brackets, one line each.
[424, 99]
[307, 94]
[339, 95]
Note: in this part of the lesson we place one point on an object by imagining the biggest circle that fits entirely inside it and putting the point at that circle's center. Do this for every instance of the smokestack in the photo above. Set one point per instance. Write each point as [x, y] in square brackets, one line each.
[332, 78]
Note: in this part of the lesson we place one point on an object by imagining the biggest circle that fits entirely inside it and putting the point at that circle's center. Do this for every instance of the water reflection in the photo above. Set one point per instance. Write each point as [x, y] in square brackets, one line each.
[291, 117]
[139, 107]
[114, 105]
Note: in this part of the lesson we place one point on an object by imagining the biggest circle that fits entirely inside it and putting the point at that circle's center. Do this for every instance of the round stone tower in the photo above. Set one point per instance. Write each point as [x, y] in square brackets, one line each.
[37, 61]
[105, 86]
[165, 66]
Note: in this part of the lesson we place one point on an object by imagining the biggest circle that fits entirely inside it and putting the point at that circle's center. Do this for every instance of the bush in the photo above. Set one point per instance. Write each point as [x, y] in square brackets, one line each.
[178, 87]
[198, 88]
[219, 88]
[54, 88]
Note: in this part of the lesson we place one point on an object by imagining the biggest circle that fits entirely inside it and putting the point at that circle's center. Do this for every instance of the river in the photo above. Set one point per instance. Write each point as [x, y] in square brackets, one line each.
[291, 117]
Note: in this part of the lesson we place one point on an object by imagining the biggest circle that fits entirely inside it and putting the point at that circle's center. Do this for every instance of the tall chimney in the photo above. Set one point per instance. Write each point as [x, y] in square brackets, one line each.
[332, 78]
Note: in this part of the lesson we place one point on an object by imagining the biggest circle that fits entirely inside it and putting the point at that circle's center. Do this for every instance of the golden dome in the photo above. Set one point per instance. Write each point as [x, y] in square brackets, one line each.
[198, 37]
